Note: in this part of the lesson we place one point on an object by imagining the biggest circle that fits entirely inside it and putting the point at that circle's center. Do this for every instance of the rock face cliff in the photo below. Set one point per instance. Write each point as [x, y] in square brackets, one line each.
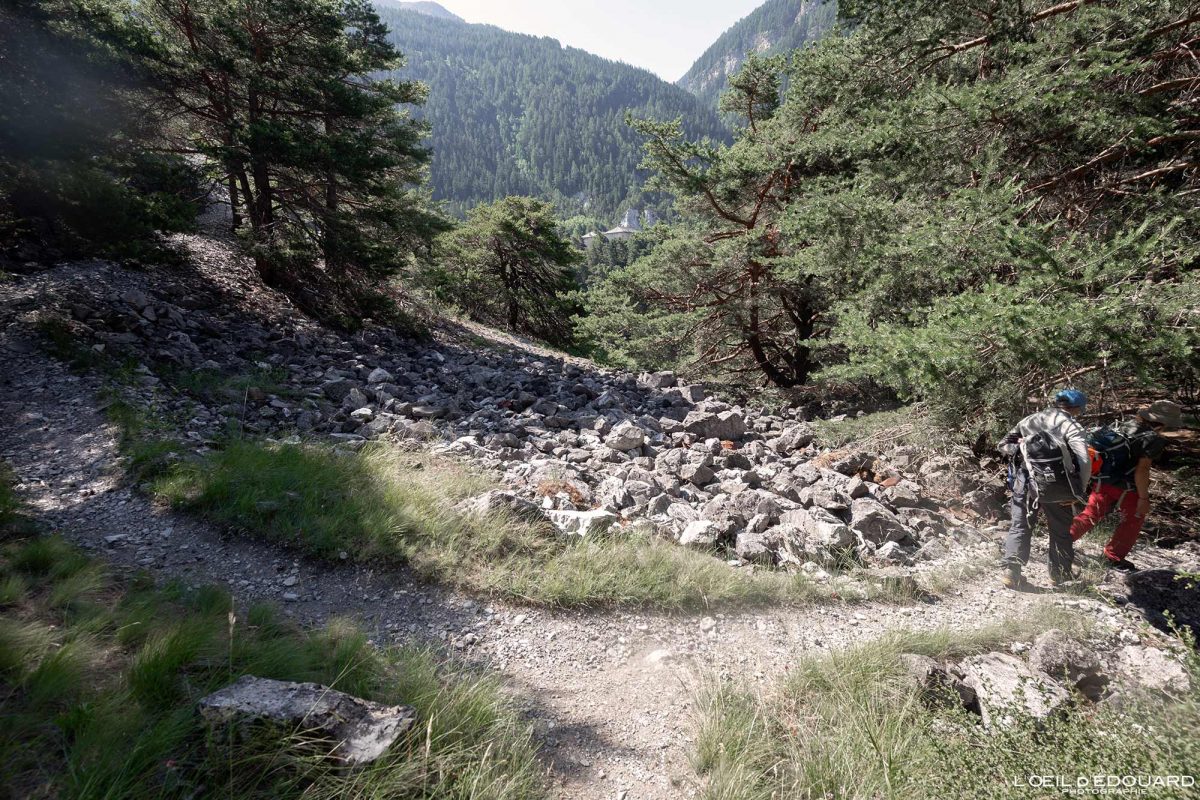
[774, 27]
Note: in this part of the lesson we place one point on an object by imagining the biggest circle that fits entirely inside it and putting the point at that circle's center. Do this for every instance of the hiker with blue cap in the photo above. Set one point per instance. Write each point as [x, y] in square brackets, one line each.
[1051, 469]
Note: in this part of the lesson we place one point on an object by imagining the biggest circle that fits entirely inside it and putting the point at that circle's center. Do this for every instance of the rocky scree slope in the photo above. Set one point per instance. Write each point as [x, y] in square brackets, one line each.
[590, 449]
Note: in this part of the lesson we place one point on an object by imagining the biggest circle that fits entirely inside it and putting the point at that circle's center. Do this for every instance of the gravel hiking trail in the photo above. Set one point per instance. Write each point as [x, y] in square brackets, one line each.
[610, 694]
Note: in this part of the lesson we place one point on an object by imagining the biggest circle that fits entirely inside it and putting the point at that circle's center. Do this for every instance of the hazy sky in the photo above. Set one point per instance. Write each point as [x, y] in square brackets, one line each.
[664, 36]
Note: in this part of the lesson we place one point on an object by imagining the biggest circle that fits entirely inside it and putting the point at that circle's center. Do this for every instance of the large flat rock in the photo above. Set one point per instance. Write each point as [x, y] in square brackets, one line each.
[1007, 688]
[360, 731]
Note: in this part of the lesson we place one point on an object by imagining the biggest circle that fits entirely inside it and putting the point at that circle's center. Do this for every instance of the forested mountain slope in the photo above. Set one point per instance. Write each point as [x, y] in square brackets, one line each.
[775, 26]
[518, 114]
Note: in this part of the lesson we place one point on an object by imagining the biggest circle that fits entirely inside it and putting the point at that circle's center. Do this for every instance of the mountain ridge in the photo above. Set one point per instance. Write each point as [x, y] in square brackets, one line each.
[775, 26]
[513, 113]
[426, 7]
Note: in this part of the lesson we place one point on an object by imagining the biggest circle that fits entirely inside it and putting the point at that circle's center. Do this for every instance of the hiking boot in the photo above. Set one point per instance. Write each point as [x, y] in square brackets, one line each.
[1125, 565]
[1013, 579]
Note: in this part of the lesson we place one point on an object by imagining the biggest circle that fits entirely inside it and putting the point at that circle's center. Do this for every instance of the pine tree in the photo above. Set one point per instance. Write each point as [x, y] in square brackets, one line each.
[508, 265]
[966, 203]
[316, 156]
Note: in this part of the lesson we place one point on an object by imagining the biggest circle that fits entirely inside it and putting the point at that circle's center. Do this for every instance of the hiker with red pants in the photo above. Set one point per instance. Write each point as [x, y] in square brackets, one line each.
[1123, 482]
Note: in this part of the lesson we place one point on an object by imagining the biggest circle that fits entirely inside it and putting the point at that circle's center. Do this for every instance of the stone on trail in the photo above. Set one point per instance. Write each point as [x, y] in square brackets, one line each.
[350, 730]
[379, 375]
[1007, 688]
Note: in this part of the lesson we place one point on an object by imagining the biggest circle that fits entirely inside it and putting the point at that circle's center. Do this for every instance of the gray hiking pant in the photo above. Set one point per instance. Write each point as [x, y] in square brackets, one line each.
[1058, 508]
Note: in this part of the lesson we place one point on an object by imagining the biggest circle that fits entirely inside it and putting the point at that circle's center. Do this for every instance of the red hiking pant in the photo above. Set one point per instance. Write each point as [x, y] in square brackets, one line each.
[1101, 501]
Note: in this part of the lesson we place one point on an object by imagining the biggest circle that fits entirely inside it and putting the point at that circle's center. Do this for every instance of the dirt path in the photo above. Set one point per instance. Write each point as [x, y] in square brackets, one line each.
[610, 694]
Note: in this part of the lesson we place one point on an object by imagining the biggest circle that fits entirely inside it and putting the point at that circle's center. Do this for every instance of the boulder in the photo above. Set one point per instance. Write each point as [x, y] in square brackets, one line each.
[794, 438]
[724, 514]
[1150, 669]
[657, 380]
[690, 465]
[822, 526]
[583, 523]
[935, 684]
[428, 412]
[625, 436]
[823, 496]
[759, 547]
[499, 501]
[338, 390]
[700, 534]
[876, 524]
[349, 730]
[1007, 688]
[612, 492]
[699, 474]
[891, 552]
[856, 487]
[851, 463]
[904, 494]
[725, 425]
[379, 375]
[826, 539]
[1061, 656]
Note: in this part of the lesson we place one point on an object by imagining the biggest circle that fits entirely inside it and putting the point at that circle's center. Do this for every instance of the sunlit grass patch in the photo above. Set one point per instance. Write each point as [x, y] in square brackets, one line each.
[386, 505]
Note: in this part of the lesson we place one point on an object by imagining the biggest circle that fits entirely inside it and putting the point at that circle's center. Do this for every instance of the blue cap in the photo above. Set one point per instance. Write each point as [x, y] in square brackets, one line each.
[1071, 398]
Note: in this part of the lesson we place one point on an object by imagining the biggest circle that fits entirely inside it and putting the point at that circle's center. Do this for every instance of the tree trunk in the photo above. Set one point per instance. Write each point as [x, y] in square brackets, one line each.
[510, 291]
[330, 243]
[235, 210]
[262, 210]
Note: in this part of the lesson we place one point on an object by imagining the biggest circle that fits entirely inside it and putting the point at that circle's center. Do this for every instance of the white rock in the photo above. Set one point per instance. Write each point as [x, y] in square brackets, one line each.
[1007, 688]
[1152, 669]
[345, 728]
[701, 534]
[583, 523]
[625, 436]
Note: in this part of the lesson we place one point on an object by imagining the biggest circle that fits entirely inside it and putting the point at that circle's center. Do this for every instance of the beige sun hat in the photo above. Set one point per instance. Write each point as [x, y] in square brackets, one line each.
[1164, 412]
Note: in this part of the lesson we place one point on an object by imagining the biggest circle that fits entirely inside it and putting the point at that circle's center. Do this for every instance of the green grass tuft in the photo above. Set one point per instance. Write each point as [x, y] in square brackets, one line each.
[61, 342]
[149, 448]
[104, 705]
[848, 724]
